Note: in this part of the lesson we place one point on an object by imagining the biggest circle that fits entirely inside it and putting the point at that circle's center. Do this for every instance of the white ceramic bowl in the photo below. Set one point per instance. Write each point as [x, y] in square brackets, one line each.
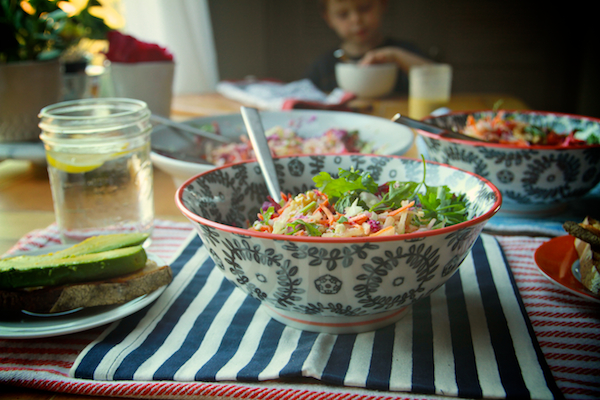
[375, 80]
[387, 137]
[335, 285]
[535, 181]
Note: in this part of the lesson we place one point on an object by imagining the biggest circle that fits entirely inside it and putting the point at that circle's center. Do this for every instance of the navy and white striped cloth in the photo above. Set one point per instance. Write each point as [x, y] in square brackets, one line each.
[471, 338]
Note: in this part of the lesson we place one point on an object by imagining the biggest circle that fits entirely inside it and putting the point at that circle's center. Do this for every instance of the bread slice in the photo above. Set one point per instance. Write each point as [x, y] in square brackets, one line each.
[112, 291]
[588, 266]
[587, 242]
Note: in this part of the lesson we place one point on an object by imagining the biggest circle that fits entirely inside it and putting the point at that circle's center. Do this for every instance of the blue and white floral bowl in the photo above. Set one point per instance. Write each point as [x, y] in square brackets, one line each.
[536, 181]
[334, 285]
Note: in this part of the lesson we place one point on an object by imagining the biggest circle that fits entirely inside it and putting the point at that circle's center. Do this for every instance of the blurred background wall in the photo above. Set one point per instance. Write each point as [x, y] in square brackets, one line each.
[546, 55]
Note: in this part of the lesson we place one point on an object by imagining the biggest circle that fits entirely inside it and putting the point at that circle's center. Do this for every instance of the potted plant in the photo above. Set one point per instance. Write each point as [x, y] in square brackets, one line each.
[39, 38]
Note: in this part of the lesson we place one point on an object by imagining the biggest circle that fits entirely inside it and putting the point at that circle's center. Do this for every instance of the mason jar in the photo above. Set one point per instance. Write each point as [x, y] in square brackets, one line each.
[98, 155]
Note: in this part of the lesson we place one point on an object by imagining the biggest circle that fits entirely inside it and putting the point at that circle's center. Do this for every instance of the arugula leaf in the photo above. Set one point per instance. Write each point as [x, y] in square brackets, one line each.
[593, 139]
[397, 192]
[535, 130]
[440, 203]
[310, 228]
[436, 202]
[347, 182]
[344, 190]
[268, 213]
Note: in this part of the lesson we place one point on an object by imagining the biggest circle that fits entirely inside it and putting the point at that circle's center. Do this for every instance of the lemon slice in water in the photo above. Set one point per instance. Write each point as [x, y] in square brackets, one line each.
[74, 164]
[79, 163]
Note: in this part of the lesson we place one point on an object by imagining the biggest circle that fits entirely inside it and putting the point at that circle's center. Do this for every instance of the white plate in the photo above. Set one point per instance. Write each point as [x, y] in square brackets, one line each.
[386, 136]
[32, 151]
[46, 325]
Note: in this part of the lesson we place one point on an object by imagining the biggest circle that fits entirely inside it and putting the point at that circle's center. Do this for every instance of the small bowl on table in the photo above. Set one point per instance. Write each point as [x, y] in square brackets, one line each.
[536, 181]
[333, 285]
[367, 81]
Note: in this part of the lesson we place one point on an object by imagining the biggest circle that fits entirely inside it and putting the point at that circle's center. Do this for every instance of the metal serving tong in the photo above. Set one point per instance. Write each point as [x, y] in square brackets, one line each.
[425, 126]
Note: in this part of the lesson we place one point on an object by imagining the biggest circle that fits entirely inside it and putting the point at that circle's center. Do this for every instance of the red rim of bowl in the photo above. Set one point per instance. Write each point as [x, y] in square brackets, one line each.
[241, 231]
[508, 146]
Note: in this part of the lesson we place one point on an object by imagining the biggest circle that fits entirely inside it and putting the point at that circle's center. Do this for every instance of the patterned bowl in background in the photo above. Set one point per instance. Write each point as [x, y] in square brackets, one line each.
[335, 285]
[535, 181]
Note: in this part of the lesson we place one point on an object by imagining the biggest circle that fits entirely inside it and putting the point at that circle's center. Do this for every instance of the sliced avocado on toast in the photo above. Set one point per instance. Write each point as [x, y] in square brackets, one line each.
[70, 269]
[99, 257]
[95, 244]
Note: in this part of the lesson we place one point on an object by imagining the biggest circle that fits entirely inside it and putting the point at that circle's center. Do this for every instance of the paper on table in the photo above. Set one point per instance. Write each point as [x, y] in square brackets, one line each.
[273, 95]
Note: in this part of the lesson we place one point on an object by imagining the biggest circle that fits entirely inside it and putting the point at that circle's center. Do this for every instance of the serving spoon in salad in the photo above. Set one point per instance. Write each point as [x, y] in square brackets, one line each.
[256, 132]
[425, 126]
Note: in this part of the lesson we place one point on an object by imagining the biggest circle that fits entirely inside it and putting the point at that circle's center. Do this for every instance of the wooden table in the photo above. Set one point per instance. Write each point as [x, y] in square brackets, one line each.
[26, 200]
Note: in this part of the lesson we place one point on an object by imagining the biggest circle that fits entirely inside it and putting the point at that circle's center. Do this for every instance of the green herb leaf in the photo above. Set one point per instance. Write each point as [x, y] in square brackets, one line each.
[344, 190]
[311, 229]
[268, 213]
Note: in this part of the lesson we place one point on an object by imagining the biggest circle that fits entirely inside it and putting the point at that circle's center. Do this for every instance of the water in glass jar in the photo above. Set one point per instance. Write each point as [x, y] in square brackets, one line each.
[102, 193]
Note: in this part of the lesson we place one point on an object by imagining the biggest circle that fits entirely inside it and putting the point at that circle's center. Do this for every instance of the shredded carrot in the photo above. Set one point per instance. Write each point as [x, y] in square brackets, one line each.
[329, 214]
[359, 219]
[283, 207]
[266, 228]
[403, 208]
[260, 216]
[383, 231]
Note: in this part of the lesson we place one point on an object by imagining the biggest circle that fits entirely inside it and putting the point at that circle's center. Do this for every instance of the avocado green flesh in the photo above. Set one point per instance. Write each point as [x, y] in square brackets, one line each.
[75, 268]
[95, 244]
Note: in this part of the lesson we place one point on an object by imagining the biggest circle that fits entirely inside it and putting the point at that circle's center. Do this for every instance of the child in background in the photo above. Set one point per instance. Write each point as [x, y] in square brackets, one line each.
[358, 24]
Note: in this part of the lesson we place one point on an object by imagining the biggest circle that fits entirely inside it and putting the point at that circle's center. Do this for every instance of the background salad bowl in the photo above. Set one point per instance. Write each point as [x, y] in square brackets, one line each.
[535, 181]
[385, 136]
[335, 285]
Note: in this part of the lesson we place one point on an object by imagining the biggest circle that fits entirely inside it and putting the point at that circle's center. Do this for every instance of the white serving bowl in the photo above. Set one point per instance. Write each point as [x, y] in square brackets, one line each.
[375, 80]
[535, 181]
[334, 285]
[387, 137]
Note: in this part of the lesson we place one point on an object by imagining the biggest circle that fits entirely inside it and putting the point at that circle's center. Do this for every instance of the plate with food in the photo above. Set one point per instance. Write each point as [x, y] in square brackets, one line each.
[293, 132]
[66, 289]
[571, 262]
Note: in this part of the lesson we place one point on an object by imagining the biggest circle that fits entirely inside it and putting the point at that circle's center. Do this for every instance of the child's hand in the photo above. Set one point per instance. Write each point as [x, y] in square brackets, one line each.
[380, 56]
[404, 59]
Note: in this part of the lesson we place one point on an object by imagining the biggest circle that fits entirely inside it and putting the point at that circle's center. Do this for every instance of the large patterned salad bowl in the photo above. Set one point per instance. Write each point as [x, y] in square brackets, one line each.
[332, 284]
[534, 179]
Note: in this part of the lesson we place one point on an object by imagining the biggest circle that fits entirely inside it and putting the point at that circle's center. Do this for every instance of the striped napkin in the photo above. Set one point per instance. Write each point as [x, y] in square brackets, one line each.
[471, 338]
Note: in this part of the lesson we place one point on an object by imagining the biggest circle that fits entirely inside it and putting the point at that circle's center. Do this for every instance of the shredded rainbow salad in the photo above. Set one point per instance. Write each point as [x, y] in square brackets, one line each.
[284, 141]
[502, 129]
[353, 205]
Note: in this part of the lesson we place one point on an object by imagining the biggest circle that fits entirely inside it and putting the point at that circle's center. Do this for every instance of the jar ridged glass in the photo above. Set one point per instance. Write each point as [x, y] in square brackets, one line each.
[98, 153]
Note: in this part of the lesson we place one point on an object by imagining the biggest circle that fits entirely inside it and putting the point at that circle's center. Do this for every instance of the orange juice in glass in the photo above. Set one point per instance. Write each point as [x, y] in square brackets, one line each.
[429, 89]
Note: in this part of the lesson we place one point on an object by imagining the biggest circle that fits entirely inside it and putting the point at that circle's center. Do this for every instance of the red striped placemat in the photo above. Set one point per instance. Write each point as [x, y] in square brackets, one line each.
[567, 328]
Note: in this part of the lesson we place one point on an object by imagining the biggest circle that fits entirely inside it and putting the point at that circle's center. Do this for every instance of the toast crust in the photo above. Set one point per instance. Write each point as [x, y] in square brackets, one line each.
[119, 290]
[587, 243]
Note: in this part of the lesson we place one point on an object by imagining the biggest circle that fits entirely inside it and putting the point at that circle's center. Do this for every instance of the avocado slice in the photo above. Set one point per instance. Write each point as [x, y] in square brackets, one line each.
[95, 244]
[52, 271]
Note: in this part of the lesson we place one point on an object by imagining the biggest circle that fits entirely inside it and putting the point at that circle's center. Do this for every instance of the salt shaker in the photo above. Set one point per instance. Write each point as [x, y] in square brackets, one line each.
[98, 154]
